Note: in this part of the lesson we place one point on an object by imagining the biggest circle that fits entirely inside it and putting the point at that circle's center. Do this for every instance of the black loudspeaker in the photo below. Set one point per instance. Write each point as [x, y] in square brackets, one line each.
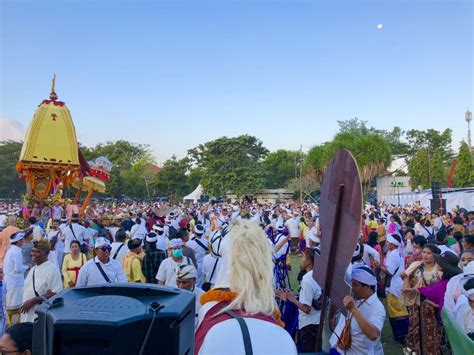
[438, 204]
[116, 319]
[436, 190]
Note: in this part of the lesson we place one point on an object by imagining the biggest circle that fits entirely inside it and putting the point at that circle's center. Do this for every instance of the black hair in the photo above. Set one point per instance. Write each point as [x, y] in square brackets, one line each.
[181, 233]
[22, 336]
[32, 220]
[120, 235]
[469, 239]
[441, 236]
[134, 244]
[457, 220]
[361, 254]
[372, 239]
[458, 236]
[420, 240]
[397, 219]
[410, 230]
[28, 232]
[75, 242]
[434, 249]
[469, 284]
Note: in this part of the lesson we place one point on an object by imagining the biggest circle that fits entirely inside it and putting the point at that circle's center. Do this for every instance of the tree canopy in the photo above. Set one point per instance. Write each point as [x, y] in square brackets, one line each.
[11, 186]
[231, 164]
[280, 167]
[244, 166]
[464, 172]
[371, 151]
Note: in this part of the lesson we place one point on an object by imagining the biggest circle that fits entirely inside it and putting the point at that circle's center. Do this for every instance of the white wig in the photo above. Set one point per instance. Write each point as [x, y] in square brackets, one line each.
[251, 269]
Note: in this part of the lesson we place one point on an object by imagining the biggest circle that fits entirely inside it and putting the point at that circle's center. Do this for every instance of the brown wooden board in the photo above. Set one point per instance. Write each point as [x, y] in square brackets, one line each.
[343, 229]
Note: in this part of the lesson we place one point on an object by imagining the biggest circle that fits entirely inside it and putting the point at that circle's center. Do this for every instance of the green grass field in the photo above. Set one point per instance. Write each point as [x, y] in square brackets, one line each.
[390, 347]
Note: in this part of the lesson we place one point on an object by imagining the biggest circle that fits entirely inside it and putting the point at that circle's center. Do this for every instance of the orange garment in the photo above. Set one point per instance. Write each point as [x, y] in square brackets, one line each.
[5, 241]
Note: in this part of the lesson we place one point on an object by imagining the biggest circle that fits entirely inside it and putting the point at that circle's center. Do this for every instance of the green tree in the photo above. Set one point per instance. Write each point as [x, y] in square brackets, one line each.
[426, 167]
[395, 137]
[438, 168]
[432, 140]
[418, 170]
[231, 164]
[464, 172]
[371, 151]
[172, 180]
[128, 159]
[195, 176]
[280, 167]
[11, 186]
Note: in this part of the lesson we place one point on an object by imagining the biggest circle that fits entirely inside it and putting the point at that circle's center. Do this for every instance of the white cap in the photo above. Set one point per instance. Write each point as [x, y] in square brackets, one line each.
[468, 269]
[17, 237]
[100, 242]
[185, 272]
[158, 228]
[176, 242]
[151, 237]
[199, 229]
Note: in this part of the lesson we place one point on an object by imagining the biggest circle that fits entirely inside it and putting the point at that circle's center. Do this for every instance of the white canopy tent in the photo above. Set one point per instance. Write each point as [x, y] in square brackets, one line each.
[455, 197]
[195, 195]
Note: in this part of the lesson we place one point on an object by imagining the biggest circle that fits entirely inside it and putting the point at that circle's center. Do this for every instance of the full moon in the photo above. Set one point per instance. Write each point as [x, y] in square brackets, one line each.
[379, 26]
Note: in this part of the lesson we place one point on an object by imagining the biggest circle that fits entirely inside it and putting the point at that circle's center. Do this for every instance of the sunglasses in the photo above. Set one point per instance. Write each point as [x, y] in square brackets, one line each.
[105, 249]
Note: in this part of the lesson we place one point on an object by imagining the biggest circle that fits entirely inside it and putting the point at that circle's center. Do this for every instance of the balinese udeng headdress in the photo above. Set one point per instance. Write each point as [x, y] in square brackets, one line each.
[364, 275]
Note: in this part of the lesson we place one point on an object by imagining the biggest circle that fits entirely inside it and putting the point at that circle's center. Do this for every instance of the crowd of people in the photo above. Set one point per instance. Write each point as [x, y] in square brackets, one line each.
[236, 259]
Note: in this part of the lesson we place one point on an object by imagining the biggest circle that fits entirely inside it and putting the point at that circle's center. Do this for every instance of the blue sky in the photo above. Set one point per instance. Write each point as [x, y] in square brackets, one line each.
[174, 74]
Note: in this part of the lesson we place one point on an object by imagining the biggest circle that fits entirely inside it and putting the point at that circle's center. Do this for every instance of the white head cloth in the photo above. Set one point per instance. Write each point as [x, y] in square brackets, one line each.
[392, 240]
[362, 274]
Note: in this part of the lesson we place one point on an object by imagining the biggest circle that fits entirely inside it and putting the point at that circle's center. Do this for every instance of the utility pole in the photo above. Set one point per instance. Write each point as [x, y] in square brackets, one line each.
[468, 117]
[301, 173]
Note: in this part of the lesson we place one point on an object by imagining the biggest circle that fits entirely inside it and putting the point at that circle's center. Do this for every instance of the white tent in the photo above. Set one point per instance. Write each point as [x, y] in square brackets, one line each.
[195, 195]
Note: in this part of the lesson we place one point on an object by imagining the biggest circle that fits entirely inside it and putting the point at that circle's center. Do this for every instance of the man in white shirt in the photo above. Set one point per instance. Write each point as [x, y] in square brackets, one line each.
[43, 281]
[394, 264]
[119, 247]
[186, 280]
[14, 276]
[73, 231]
[293, 228]
[167, 272]
[311, 232]
[210, 269]
[367, 315]
[199, 244]
[162, 240]
[55, 235]
[309, 303]
[102, 269]
[453, 290]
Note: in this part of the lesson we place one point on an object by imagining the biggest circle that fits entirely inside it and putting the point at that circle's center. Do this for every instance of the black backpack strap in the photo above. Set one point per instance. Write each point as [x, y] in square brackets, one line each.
[103, 273]
[72, 230]
[245, 331]
[117, 251]
[200, 243]
[34, 287]
[213, 271]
